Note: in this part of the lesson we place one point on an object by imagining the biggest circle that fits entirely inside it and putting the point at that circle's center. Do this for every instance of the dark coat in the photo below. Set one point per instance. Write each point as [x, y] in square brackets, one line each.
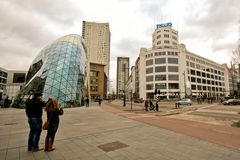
[54, 116]
[34, 107]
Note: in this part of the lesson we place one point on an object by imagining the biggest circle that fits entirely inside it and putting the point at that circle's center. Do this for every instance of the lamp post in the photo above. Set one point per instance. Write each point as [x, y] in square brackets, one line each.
[124, 85]
[184, 84]
[124, 89]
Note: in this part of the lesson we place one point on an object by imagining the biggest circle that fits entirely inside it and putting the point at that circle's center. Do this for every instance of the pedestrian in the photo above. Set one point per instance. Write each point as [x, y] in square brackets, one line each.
[87, 102]
[34, 113]
[198, 100]
[99, 101]
[146, 105]
[157, 106]
[151, 105]
[6, 102]
[53, 110]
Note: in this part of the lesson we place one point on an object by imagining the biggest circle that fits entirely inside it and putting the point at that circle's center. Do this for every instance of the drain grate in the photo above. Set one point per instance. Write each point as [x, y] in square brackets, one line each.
[112, 146]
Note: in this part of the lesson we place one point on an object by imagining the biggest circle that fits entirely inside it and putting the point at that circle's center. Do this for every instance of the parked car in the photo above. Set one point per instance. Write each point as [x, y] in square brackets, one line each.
[184, 101]
[232, 102]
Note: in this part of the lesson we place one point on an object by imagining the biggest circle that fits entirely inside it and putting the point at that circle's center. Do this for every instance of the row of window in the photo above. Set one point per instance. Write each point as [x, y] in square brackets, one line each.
[162, 86]
[165, 30]
[3, 74]
[162, 61]
[203, 74]
[166, 36]
[206, 88]
[162, 54]
[206, 81]
[203, 62]
[2, 86]
[176, 86]
[3, 80]
[171, 77]
[210, 70]
[162, 69]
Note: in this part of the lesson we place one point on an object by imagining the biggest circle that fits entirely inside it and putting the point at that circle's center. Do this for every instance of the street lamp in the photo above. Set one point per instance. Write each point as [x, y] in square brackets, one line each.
[184, 84]
[124, 85]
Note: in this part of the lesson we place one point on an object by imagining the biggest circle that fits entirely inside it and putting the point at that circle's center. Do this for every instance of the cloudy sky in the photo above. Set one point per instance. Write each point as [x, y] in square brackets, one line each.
[209, 28]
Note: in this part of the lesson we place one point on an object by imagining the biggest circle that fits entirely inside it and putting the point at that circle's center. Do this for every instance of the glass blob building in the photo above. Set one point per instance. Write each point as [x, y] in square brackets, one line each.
[59, 71]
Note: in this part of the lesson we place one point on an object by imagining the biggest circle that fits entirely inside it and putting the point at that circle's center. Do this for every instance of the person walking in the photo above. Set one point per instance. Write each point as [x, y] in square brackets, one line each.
[34, 113]
[157, 105]
[87, 102]
[99, 101]
[6, 102]
[146, 105]
[53, 110]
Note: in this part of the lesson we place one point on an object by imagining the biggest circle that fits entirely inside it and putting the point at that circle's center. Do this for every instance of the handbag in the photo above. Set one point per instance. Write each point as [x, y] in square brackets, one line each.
[46, 123]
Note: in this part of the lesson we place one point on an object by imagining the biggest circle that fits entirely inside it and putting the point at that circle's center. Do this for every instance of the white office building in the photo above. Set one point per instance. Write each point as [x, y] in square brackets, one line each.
[169, 67]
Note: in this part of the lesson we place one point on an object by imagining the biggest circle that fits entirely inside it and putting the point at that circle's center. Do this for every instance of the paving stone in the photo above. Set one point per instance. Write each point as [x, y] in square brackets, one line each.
[82, 130]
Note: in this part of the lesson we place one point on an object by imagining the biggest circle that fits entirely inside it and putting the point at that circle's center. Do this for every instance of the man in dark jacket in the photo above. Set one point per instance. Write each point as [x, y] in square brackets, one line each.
[34, 113]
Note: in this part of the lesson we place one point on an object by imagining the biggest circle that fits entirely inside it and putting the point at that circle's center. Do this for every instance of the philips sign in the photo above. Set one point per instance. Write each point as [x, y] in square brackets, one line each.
[164, 25]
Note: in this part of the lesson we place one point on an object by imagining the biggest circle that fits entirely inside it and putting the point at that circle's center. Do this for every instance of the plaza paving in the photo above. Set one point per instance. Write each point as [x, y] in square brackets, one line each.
[99, 133]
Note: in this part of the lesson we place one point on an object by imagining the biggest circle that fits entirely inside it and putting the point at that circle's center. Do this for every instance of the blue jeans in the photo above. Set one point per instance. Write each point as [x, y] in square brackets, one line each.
[35, 125]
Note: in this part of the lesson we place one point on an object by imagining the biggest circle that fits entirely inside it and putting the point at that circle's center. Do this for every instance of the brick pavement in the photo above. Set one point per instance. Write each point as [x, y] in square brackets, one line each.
[83, 130]
[222, 135]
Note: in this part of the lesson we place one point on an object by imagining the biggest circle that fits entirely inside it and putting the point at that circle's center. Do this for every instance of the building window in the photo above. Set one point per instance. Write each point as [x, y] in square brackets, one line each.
[204, 81]
[166, 42]
[203, 74]
[166, 35]
[173, 60]
[160, 78]
[199, 87]
[149, 78]
[149, 62]
[94, 73]
[18, 77]
[193, 87]
[149, 70]
[173, 77]
[149, 86]
[172, 69]
[192, 72]
[193, 79]
[208, 82]
[199, 80]
[160, 60]
[192, 65]
[3, 74]
[173, 86]
[160, 86]
[94, 88]
[160, 69]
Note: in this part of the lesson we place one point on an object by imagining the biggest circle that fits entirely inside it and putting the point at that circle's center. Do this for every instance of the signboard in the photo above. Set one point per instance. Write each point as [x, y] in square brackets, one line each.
[169, 24]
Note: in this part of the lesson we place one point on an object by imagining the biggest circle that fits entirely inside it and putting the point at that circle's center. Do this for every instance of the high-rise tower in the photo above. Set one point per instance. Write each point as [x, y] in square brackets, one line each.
[97, 38]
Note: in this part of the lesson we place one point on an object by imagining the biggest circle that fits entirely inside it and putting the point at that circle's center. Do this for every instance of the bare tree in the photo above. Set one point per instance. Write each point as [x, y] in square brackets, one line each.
[236, 55]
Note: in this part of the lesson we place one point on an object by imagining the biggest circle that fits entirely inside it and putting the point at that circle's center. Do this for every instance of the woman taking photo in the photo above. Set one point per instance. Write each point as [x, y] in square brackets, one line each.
[53, 110]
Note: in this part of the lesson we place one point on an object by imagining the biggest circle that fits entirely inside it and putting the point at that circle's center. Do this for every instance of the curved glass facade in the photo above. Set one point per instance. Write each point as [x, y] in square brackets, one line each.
[59, 71]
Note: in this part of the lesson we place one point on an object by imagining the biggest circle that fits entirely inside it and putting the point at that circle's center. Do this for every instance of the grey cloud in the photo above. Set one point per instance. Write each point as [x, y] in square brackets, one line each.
[153, 7]
[131, 45]
[60, 11]
[28, 26]
[220, 15]
[218, 46]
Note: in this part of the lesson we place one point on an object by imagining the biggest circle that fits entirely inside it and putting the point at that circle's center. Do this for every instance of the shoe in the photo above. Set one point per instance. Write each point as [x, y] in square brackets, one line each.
[37, 149]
